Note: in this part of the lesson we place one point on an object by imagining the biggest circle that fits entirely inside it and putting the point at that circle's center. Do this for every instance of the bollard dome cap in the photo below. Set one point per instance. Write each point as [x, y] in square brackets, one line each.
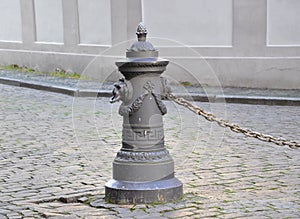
[141, 57]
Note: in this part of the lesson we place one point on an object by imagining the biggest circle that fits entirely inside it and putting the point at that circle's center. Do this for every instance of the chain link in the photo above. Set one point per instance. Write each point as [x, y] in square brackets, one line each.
[234, 127]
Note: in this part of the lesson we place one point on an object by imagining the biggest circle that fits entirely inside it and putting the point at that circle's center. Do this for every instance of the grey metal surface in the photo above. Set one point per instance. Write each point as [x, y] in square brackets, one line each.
[143, 170]
[149, 192]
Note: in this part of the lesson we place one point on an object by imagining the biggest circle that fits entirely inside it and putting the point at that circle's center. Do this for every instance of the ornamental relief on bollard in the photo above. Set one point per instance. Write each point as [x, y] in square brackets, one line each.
[153, 134]
[143, 156]
[124, 91]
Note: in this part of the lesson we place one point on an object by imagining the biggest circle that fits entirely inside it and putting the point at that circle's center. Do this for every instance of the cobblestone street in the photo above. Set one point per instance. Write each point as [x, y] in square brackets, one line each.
[57, 153]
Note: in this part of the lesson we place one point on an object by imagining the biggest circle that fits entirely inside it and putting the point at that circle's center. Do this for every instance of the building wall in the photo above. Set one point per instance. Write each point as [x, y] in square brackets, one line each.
[245, 43]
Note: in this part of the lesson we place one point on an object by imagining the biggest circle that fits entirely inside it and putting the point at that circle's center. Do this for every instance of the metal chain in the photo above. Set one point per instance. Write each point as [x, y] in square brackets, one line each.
[234, 127]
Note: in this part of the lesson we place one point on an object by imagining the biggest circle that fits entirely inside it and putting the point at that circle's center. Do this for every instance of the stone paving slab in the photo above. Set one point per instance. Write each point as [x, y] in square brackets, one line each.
[57, 148]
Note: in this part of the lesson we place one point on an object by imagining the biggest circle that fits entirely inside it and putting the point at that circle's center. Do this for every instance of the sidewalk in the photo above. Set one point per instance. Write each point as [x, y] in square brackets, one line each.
[57, 152]
[86, 88]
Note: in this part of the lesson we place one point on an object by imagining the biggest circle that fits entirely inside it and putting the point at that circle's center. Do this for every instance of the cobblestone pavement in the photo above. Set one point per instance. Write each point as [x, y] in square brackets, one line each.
[57, 151]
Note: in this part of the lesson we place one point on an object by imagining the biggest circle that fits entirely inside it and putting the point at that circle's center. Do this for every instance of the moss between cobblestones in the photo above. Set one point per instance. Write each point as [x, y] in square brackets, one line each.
[99, 112]
[89, 200]
[227, 201]
[132, 208]
[66, 113]
[229, 191]
[272, 207]
[154, 203]
[185, 83]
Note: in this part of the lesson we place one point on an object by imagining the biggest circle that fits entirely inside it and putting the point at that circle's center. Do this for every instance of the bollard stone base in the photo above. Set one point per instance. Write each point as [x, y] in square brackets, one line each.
[121, 192]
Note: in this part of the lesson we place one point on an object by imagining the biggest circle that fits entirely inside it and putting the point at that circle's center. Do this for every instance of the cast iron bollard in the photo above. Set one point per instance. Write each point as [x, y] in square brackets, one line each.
[143, 170]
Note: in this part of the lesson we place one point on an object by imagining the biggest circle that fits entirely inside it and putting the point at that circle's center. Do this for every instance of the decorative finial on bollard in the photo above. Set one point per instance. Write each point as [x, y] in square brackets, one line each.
[141, 44]
[141, 32]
